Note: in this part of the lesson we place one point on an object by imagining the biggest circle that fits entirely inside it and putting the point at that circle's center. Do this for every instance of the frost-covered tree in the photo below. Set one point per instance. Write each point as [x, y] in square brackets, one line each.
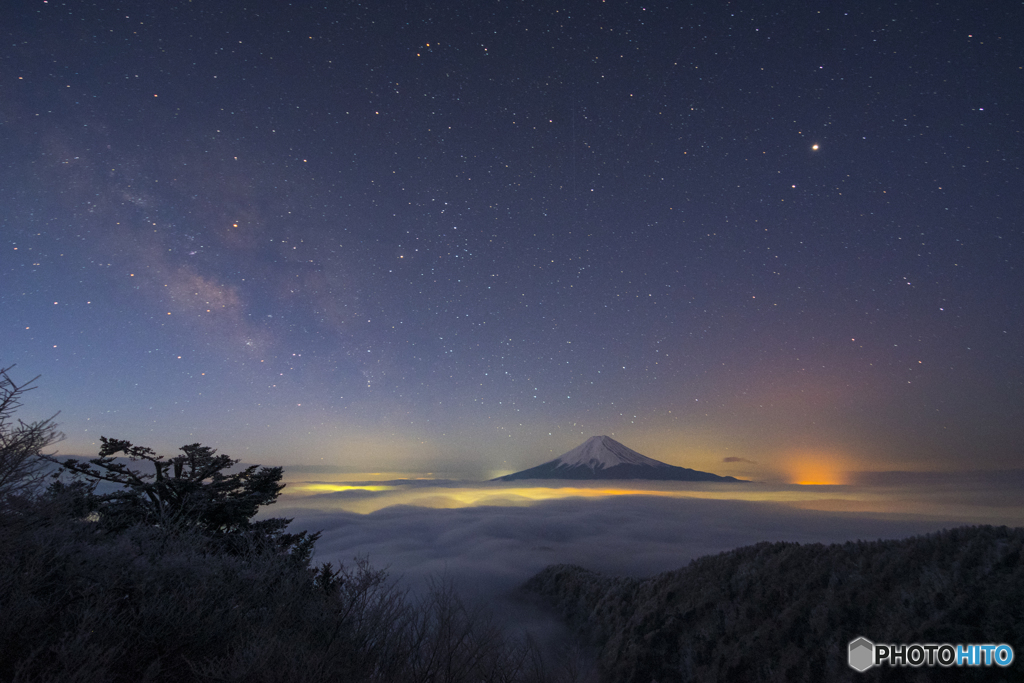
[21, 443]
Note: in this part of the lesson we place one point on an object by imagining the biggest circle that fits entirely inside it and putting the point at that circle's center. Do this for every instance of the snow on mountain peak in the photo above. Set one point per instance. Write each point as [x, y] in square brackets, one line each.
[601, 452]
[600, 457]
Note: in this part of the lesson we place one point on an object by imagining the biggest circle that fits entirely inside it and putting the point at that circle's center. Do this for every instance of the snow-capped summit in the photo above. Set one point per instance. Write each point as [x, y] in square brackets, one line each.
[601, 457]
[602, 452]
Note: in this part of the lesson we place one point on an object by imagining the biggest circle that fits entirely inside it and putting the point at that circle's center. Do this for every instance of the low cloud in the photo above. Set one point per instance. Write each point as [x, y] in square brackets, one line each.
[489, 538]
[490, 551]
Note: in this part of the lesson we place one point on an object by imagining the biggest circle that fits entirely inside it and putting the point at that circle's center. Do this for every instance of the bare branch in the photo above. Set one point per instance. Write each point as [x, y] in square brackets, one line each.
[22, 462]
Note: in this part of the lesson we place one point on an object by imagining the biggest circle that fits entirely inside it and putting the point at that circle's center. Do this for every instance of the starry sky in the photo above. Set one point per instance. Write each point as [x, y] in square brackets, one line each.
[758, 239]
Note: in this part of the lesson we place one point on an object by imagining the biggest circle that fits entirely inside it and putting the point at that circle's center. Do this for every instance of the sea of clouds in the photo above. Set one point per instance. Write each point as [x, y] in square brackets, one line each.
[489, 551]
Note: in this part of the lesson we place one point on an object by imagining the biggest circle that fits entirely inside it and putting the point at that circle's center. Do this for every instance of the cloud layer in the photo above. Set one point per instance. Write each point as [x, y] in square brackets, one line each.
[490, 551]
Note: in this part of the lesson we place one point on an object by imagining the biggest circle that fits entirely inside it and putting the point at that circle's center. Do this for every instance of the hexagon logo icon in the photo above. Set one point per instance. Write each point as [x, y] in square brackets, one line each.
[861, 654]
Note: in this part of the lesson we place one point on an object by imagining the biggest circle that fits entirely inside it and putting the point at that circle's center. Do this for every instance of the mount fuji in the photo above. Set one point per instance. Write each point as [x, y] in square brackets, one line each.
[601, 457]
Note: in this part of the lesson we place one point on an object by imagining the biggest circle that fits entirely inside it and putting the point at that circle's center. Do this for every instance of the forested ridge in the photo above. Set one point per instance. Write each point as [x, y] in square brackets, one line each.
[786, 611]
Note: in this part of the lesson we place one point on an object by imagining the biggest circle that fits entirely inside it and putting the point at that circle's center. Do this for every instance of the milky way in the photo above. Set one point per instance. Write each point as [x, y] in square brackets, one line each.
[775, 242]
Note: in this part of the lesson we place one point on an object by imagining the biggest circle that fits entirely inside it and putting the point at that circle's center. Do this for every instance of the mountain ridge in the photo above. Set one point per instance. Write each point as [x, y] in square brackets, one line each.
[781, 612]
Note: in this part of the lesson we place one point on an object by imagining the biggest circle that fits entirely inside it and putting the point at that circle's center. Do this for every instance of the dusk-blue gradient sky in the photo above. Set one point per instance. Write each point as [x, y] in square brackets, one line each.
[774, 240]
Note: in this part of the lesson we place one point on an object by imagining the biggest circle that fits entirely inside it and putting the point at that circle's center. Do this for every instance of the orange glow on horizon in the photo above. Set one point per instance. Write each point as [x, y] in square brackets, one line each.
[816, 468]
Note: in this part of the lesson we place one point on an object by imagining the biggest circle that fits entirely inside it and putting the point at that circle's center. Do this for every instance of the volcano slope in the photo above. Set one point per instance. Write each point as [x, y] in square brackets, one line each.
[602, 457]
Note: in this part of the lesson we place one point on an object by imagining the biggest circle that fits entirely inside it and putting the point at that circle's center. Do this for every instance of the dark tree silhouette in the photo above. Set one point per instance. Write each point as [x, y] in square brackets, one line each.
[189, 490]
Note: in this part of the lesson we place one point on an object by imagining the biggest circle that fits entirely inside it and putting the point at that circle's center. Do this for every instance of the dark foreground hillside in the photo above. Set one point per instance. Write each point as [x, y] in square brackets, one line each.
[79, 604]
[786, 612]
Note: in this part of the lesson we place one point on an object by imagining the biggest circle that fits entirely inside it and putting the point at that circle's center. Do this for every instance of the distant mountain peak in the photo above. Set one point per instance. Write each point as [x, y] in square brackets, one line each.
[602, 452]
[602, 457]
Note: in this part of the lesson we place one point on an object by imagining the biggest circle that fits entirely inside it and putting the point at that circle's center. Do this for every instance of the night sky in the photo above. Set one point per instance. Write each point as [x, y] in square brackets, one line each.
[778, 241]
